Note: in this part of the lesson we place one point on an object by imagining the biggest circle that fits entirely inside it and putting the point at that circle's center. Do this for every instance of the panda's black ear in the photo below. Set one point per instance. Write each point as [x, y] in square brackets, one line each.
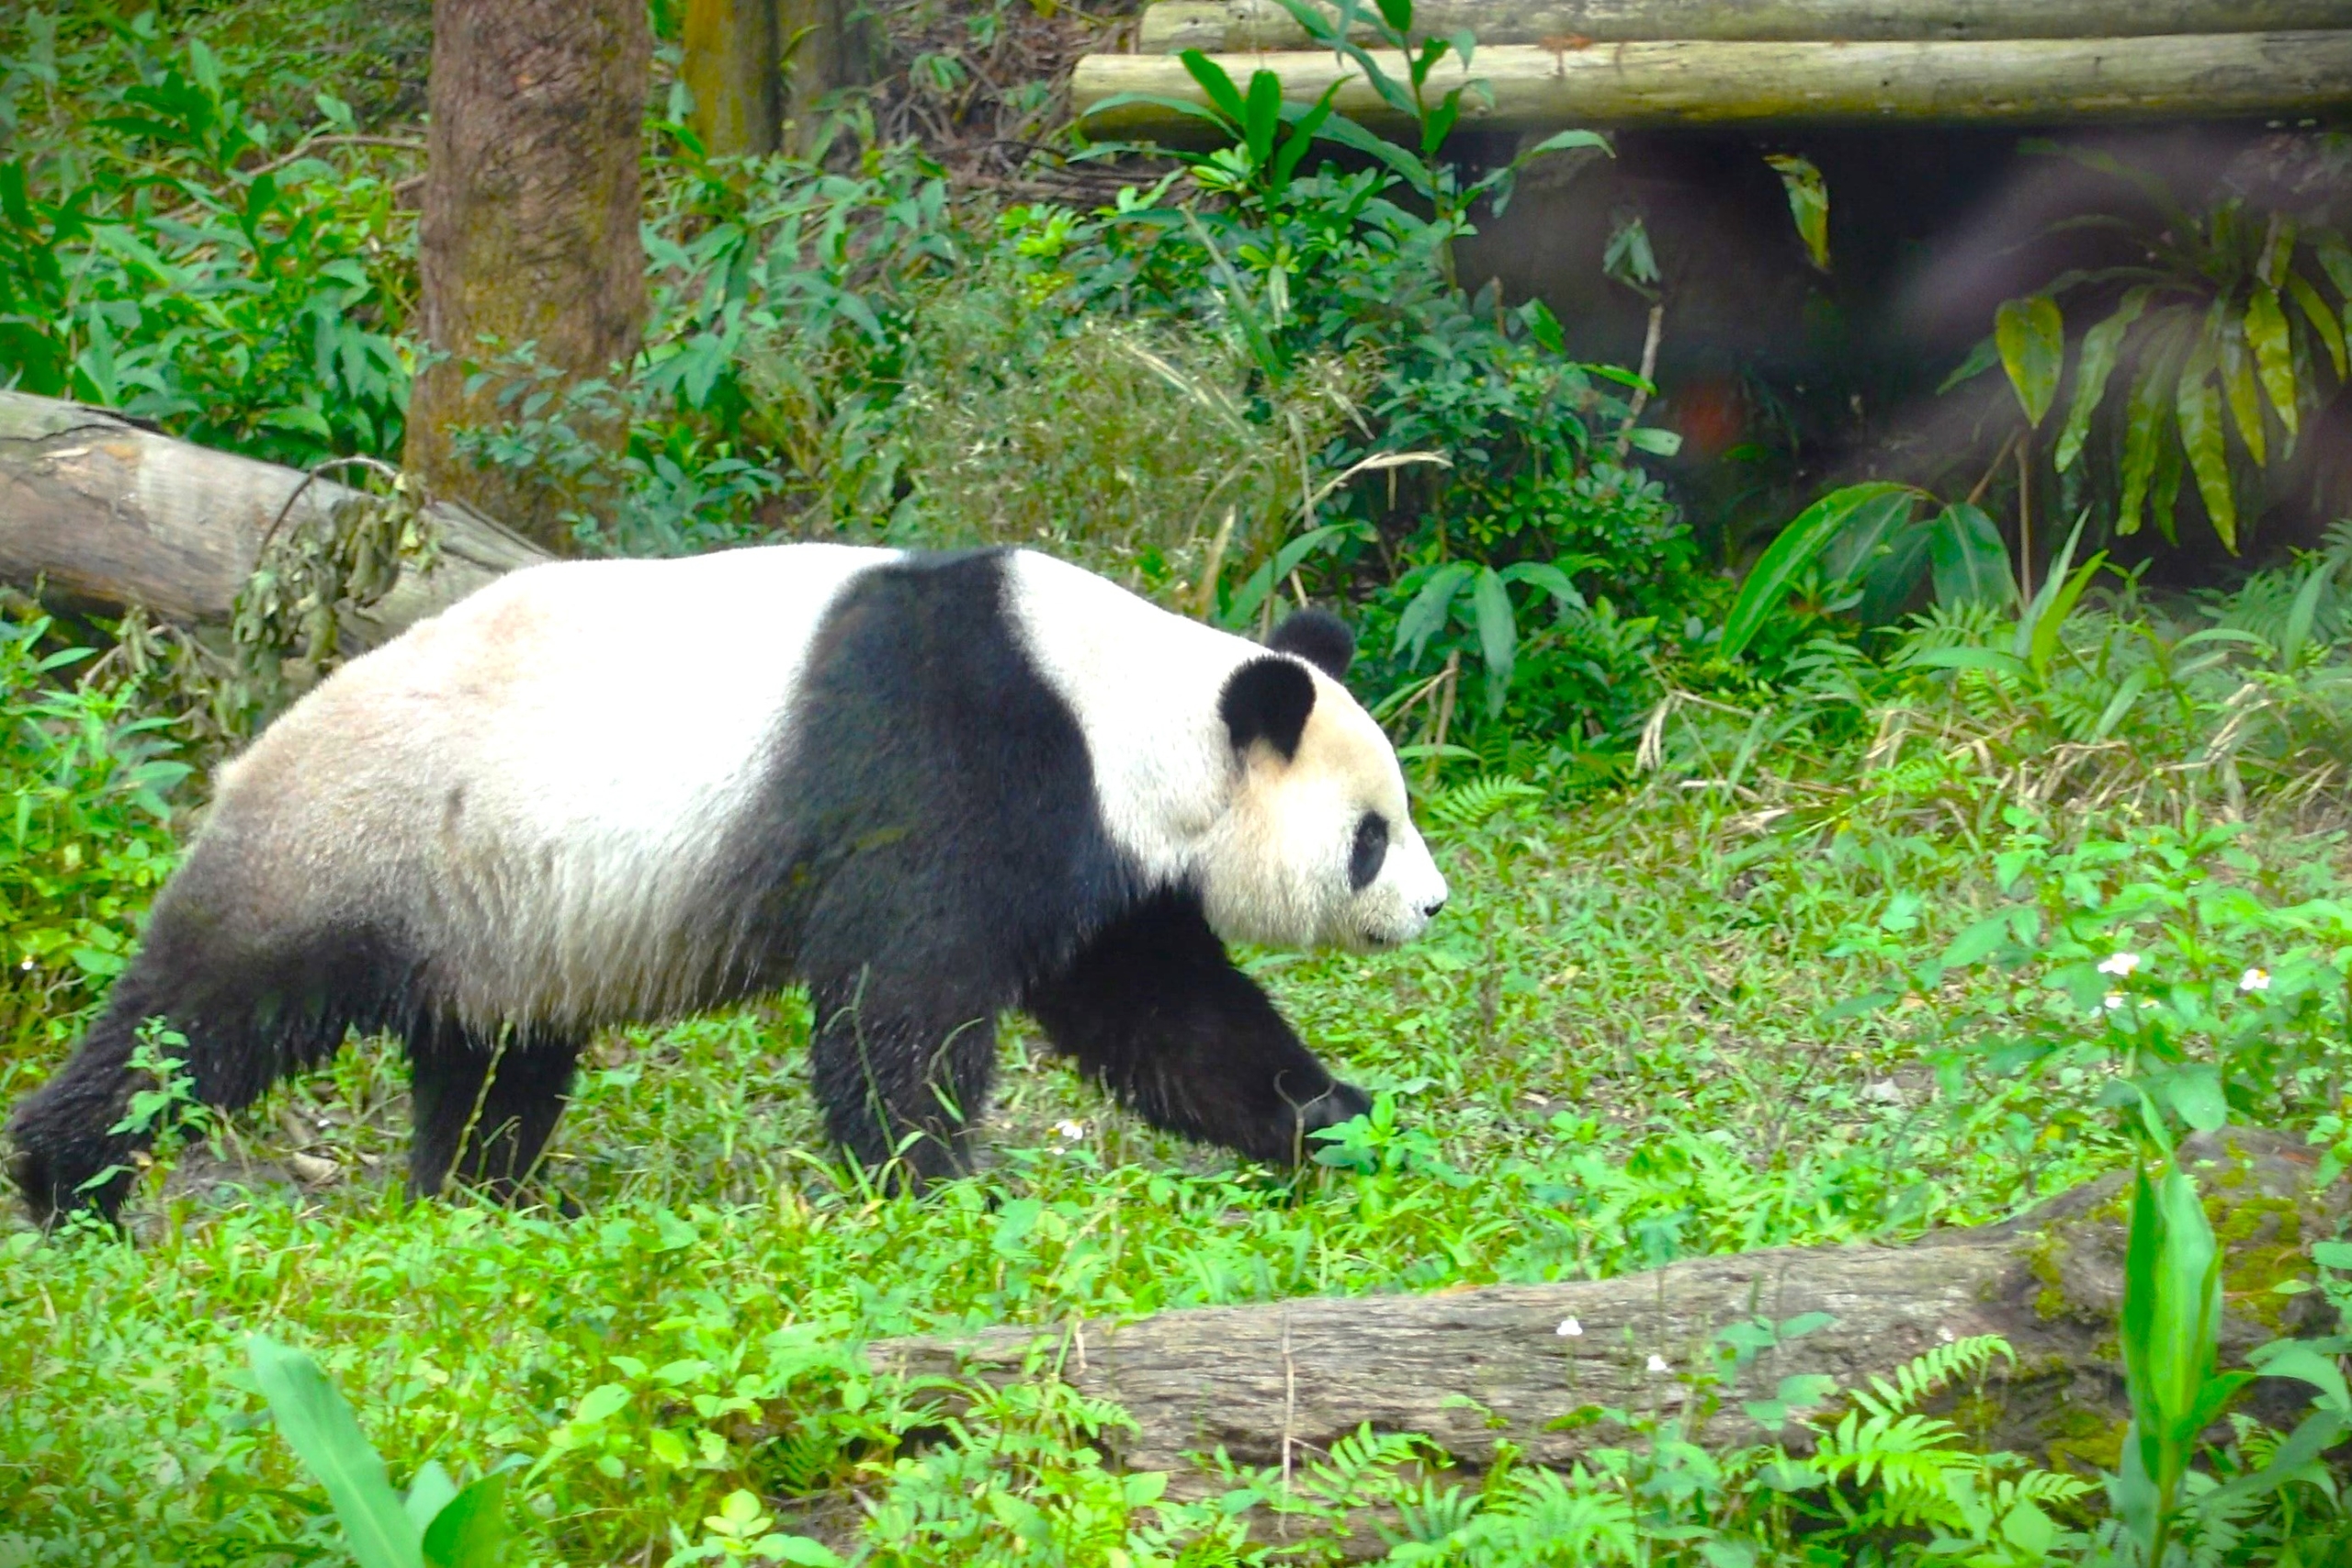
[1318, 636]
[1268, 699]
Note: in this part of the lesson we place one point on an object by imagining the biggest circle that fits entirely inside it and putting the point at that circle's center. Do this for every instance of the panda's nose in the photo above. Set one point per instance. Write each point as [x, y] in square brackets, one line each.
[1430, 909]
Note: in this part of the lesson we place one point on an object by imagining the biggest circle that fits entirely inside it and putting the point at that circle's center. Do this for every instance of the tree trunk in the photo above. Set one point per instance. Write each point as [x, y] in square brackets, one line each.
[1239, 26]
[1568, 82]
[107, 515]
[826, 46]
[529, 232]
[730, 65]
[1288, 1379]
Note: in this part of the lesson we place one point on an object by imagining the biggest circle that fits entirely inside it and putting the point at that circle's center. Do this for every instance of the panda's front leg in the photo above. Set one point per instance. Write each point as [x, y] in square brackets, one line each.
[1154, 1010]
[902, 1072]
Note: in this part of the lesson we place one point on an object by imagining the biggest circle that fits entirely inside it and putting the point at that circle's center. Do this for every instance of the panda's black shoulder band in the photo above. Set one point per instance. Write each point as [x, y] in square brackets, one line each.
[1268, 699]
[1318, 636]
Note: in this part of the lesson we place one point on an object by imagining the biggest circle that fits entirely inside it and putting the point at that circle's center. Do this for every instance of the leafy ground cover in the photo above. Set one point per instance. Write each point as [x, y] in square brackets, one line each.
[1656, 1024]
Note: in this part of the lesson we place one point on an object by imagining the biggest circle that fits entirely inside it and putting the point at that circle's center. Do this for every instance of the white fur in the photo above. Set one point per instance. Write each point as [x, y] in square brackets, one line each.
[612, 715]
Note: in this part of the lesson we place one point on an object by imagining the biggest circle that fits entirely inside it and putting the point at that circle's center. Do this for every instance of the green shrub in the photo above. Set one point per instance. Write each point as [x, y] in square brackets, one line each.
[85, 834]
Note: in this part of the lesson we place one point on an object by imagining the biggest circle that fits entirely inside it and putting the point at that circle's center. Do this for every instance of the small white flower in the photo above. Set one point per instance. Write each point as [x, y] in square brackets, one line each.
[1658, 1363]
[2120, 964]
[2257, 979]
[29, 964]
[1073, 1131]
[1569, 1329]
[2112, 1001]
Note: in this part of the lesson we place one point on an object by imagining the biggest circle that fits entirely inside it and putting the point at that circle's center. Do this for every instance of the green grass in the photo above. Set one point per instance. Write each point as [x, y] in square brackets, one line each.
[1621, 1046]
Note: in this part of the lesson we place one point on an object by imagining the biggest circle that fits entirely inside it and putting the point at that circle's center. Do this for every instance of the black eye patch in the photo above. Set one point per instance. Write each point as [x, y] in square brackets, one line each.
[1371, 848]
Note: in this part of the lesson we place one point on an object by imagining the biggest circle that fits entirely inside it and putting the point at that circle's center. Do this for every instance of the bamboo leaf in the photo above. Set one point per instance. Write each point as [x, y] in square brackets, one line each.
[1769, 580]
[470, 1530]
[1261, 115]
[2199, 409]
[2030, 336]
[2100, 346]
[2274, 354]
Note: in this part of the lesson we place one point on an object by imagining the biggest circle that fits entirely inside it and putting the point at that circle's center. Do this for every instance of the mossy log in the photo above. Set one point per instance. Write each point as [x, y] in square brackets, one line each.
[1217, 25]
[1568, 81]
[106, 515]
[1471, 1367]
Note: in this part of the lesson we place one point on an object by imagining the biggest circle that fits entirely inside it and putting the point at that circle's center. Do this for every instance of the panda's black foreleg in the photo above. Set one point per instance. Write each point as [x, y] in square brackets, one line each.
[1154, 1010]
[902, 1078]
[484, 1110]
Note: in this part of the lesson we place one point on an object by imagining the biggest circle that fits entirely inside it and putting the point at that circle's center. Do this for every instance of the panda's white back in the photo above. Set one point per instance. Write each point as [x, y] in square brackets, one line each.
[540, 776]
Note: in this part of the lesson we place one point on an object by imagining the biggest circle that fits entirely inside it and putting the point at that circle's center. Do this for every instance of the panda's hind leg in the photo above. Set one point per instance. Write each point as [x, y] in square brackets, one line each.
[1154, 1010]
[484, 1109]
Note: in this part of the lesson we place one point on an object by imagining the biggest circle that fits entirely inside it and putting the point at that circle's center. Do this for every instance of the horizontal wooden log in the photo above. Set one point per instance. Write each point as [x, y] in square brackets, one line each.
[106, 514]
[2012, 81]
[1293, 1376]
[1237, 26]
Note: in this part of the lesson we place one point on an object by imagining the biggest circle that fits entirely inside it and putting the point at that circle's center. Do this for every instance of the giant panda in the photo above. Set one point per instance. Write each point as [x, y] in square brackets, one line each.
[929, 786]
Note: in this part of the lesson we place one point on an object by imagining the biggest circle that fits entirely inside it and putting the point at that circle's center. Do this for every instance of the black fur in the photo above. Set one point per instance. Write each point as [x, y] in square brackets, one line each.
[1268, 699]
[927, 850]
[1155, 1012]
[1318, 636]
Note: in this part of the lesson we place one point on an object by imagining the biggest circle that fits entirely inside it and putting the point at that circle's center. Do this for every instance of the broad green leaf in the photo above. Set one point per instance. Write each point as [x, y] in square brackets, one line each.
[1868, 530]
[2196, 1093]
[1427, 614]
[2319, 1431]
[1565, 141]
[1804, 537]
[2322, 320]
[470, 1532]
[317, 1425]
[2335, 260]
[2239, 390]
[2052, 622]
[2031, 337]
[2036, 619]
[2198, 407]
[1808, 196]
[1967, 560]
[1261, 115]
[1992, 661]
[2274, 354]
[1650, 438]
[429, 1491]
[1976, 943]
[1981, 359]
[2120, 705]
[2289, 1358]
[1398, 14]
[1217, 85]
[1551, 577]
[2101, 346]
[1497, 629]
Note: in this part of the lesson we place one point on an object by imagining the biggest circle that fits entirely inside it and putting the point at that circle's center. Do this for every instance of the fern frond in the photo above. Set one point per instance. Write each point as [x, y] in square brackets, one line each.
[1471, 801]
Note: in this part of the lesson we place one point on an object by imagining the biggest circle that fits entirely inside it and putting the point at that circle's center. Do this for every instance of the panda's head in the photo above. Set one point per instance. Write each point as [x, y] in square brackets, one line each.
[1316, 848]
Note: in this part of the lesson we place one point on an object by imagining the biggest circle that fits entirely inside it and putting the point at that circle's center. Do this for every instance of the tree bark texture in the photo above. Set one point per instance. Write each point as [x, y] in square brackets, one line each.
[1300, 1375]
[1239, 26]
[107, 515]
[731, 68]
[2019, 81]
[530, 224]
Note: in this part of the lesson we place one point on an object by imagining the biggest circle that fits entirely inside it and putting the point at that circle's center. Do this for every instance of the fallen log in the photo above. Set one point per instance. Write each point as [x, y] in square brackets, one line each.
[106, 514]
[1217, 25]
[1688, 83]
[1282, 1380]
